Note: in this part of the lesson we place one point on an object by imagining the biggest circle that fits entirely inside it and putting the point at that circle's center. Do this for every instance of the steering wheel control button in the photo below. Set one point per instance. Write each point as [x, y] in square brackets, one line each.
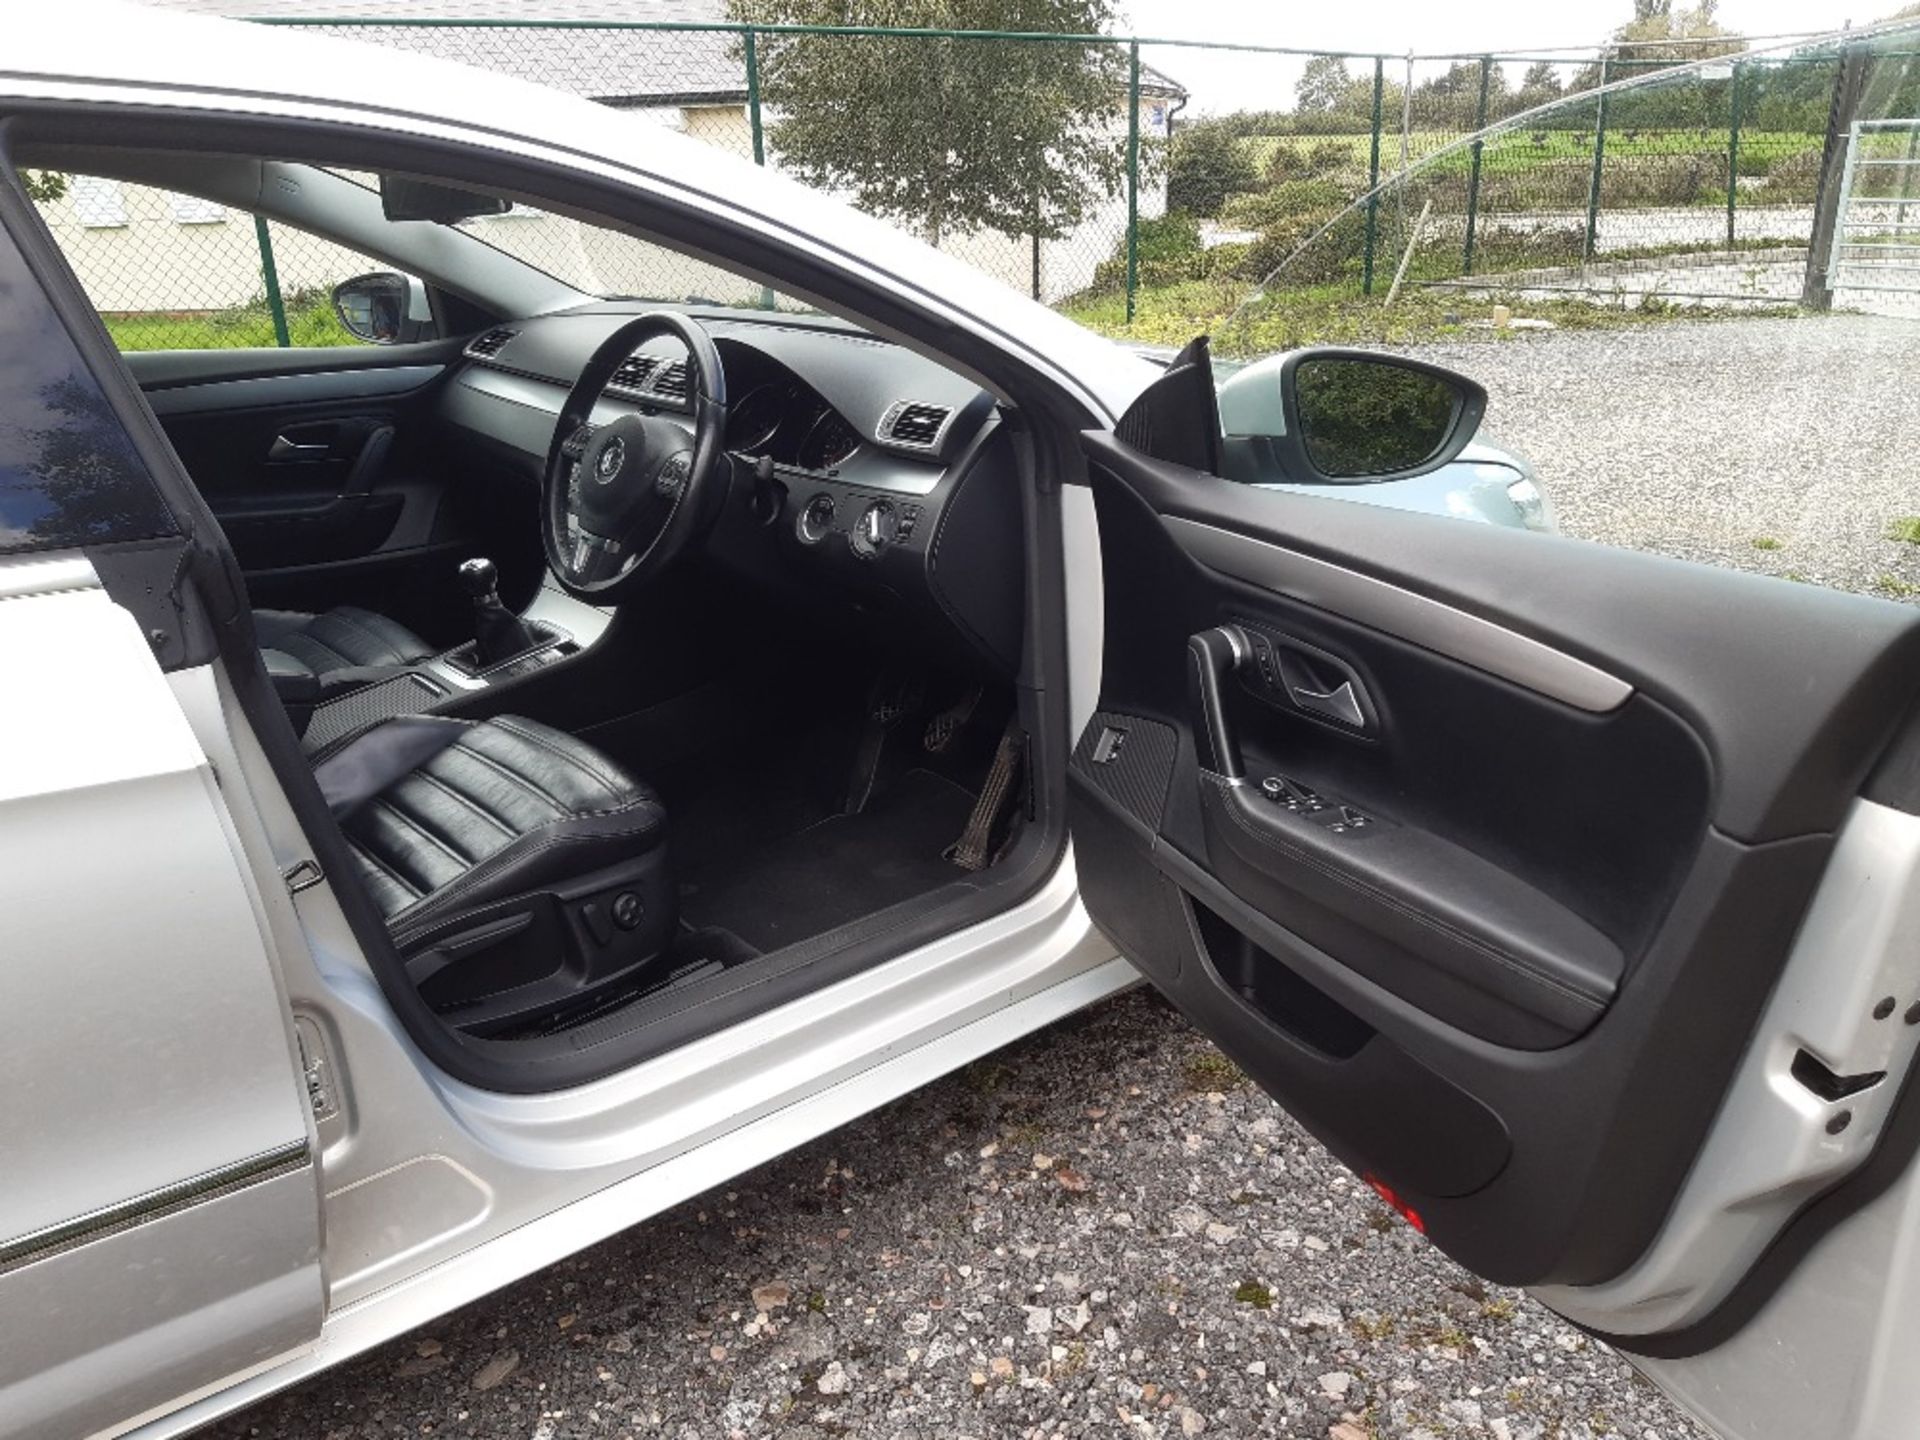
[673, 476]
[628, 912]
[816, 520]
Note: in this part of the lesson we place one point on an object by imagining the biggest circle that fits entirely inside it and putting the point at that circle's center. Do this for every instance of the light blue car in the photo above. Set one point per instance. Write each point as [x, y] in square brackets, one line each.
[1486, 482]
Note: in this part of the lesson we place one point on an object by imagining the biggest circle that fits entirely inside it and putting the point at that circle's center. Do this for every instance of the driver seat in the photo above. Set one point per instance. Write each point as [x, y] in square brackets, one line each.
[519, 870]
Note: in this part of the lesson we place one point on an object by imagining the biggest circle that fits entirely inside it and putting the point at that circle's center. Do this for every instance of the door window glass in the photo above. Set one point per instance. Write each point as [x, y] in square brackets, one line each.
[69, 473]
[169, 271]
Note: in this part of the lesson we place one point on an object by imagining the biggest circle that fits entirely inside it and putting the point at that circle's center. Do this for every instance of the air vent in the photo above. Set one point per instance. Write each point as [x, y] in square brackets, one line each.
[486, 346]
[915, 425]
[671, 381]
[631, 373]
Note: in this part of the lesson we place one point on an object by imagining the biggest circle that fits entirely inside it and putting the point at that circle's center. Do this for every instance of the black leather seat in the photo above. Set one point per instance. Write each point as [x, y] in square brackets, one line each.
[506, 856]
[344, 638]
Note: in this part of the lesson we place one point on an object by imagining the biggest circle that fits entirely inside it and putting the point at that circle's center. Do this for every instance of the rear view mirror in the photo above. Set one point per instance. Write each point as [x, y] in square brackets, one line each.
[1355, 415]
[405, 199]
[383, 308]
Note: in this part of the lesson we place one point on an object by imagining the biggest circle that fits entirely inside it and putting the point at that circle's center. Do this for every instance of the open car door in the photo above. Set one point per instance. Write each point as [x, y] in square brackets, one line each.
[1567, 893]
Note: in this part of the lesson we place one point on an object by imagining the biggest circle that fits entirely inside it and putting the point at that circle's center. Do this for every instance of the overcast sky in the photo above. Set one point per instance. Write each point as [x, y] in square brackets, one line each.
[1223, 82]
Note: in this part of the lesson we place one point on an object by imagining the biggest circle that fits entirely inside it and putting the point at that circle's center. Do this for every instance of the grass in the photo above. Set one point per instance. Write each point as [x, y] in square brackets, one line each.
[1252, 1292]
[1514, 151]
[1210, 1070]
[1765, 542]
[1905, 528]
[1337, 315]
[1894, 588]
[310, 321]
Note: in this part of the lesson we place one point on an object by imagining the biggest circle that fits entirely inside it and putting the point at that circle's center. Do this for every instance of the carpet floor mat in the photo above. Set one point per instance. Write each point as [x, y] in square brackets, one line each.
[835, 870]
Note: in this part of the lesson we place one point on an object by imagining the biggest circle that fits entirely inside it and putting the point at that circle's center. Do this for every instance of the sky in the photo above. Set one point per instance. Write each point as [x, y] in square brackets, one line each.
[1220, 81]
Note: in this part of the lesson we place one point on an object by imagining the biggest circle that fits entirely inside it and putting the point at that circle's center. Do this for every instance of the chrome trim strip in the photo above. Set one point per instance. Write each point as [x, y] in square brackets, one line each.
[154, 1205]
[33, 575]
[310, 385]
[1425, 622]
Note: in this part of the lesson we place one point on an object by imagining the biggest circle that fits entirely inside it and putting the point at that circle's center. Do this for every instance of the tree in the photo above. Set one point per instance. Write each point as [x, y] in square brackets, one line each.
[948, 135]
[1208, 163]
[43, 187]
[1324, 86]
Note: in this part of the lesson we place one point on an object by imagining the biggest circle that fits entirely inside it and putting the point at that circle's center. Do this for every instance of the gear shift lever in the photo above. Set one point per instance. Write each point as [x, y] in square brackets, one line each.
[498, 633]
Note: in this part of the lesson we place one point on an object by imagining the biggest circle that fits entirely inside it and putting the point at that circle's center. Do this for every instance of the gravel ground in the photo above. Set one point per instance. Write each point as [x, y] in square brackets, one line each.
[1102, 1230]
[1786, 446]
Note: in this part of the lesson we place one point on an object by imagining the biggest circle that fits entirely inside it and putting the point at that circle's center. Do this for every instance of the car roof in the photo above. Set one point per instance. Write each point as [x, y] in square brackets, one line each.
[79, 46]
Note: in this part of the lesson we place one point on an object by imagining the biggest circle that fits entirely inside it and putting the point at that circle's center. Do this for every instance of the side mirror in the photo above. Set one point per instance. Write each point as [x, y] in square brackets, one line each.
[384, 308]
[1354, 415]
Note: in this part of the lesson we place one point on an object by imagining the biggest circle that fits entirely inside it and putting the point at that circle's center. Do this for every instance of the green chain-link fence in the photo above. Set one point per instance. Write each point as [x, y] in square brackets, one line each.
[1143, 185]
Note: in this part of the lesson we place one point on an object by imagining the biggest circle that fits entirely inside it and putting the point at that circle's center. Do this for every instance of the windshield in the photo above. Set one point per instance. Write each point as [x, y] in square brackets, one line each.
[1653, 181]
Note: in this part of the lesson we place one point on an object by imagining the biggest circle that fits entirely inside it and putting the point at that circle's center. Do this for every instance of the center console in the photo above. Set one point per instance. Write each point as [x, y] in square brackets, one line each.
[555, 627]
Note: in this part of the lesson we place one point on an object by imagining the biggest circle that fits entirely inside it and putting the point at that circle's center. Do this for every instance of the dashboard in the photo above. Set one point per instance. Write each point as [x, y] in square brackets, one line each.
[863, 474]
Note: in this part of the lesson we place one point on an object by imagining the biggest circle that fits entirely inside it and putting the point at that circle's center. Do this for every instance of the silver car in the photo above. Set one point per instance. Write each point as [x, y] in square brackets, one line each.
[463, 793]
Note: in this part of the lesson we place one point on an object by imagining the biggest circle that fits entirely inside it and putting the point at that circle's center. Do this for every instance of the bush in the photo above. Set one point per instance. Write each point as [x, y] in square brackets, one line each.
[1206, 165]
[1793, 179]
[1169, 252]
[1292, 199]
[1332, 256]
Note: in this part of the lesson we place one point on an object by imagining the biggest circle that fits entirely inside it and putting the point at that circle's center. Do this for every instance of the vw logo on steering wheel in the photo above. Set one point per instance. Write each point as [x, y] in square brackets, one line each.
[610, 461]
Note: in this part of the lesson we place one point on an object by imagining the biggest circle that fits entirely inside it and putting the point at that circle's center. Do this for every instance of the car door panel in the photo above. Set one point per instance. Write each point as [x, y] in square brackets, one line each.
[1596, 791]
[321, 468]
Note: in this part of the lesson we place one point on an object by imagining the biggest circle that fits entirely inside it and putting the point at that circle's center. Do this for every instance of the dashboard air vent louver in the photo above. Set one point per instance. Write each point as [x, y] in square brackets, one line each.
[671, 381]
[486, 345]
[631, 373]
[916, 425]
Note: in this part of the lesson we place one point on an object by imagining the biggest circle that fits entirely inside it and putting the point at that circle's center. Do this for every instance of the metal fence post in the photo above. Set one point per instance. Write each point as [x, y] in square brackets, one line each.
[1473, 169]
[271, 277]
[753, 98]
[1133, 174]
[1733, 150]
[1849, 83]
[1599, 158]
[1373, 174]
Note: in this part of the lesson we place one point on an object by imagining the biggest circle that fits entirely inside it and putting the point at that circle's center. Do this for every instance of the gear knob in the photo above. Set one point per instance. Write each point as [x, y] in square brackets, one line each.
[479, 577]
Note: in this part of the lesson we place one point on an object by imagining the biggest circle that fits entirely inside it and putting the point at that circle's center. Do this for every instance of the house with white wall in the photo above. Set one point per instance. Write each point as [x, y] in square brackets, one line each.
[141, 251]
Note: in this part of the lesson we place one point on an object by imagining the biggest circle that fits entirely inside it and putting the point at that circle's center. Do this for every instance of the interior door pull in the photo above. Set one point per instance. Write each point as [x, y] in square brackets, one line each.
[283, 450]
[1212, 656]
[1339, 703]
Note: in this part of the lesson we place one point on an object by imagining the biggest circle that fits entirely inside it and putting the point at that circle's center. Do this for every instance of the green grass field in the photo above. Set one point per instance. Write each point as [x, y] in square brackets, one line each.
[1338, 315]
[1515, 151]
[310, 321]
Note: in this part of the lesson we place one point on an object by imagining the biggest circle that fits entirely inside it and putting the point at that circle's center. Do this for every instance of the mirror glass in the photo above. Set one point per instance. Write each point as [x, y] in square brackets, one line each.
[373, 307]
[1362, 418]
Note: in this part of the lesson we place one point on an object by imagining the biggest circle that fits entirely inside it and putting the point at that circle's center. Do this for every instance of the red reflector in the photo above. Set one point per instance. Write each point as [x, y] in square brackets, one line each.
[1400, 1207]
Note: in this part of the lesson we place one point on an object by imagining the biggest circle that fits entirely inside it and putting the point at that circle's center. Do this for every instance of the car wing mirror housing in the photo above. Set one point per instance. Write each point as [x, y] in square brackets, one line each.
[384, 308]
[1352, 416]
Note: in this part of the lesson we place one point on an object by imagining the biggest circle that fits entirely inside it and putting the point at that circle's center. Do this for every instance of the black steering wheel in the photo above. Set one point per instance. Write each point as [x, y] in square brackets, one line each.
[620, 502]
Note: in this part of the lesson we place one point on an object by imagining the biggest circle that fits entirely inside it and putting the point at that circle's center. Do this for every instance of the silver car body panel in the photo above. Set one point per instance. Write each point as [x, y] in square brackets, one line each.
[1776, 1144]
[154, 1121]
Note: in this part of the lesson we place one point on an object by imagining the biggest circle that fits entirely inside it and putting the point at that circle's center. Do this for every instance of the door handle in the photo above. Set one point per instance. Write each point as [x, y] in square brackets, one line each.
[284, 450]
[1339, 703]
